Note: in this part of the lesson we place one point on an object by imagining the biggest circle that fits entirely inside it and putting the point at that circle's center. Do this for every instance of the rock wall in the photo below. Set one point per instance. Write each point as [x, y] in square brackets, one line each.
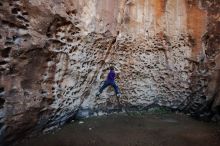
[204, 99]
[55, 54]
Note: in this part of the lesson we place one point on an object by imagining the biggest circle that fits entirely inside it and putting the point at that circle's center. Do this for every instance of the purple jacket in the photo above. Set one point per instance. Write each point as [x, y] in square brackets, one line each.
[111, 76]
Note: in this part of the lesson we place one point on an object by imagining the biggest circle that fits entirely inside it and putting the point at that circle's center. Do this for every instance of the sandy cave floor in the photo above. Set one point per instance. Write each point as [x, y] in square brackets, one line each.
[136, 130]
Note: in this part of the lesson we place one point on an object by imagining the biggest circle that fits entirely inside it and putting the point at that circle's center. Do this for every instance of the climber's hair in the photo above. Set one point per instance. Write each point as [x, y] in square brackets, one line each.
[111, 68]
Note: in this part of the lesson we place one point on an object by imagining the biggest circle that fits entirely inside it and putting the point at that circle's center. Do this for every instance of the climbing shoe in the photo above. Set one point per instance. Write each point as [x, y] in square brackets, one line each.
[118, 95]
[97, 94]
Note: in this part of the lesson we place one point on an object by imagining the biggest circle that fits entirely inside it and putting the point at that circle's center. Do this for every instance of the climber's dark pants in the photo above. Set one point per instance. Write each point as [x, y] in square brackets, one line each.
[106, 84]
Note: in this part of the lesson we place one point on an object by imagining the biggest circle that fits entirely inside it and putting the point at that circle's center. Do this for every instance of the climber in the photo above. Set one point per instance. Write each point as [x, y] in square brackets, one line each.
[110, 81]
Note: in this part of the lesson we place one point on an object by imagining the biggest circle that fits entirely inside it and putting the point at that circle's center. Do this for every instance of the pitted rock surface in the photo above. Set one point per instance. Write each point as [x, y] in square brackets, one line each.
[54, 55]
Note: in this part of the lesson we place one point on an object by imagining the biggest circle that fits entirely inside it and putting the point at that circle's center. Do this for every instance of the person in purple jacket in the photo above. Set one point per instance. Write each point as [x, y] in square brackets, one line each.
[110, 81]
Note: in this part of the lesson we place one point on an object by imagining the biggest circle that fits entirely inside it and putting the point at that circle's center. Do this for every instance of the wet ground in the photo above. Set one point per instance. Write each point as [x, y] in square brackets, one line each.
[135, 130]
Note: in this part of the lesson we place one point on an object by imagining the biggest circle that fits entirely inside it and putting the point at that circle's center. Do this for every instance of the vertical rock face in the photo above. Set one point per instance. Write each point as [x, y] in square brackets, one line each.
[55, 54]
